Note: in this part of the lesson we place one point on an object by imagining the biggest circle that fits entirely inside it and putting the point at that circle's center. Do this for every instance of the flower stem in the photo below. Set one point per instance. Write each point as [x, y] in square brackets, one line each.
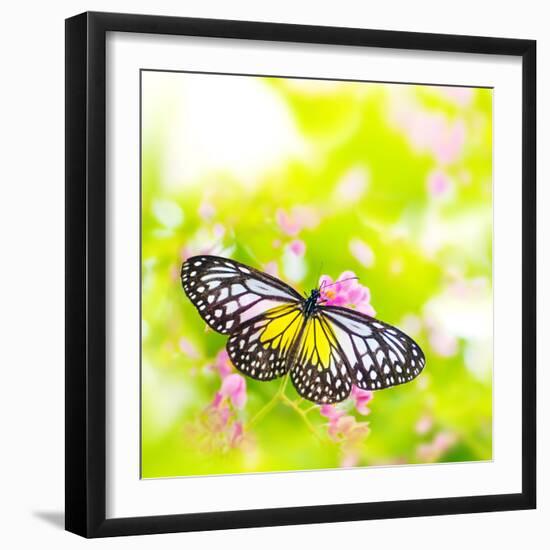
[273, 401]
[280, 396]
[303, 414]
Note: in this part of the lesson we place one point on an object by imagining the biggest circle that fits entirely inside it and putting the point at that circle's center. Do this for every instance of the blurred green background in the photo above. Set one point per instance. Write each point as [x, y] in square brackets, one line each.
[303, 177]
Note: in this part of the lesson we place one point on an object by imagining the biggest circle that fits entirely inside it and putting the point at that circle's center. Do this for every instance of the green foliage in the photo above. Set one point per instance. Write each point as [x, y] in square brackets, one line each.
[429, 273]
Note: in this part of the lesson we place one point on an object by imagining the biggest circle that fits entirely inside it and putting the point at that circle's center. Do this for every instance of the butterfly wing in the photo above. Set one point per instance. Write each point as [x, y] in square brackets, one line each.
[227, 293]
[320, 371]
[262, 347]
[379, 355]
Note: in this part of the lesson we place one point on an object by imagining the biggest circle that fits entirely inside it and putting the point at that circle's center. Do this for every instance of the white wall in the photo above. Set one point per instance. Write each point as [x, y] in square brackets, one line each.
[31, 273]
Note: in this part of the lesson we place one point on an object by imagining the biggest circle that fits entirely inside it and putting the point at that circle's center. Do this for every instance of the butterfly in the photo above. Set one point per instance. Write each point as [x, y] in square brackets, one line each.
[274, 331]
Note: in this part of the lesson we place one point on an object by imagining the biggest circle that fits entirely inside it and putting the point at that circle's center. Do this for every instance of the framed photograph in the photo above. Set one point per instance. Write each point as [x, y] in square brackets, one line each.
[300, 274]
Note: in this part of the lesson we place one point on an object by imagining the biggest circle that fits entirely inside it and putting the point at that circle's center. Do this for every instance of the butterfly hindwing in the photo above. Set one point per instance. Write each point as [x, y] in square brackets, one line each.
[262, 347]
[320, 373]
[379, 355]
[227, 293]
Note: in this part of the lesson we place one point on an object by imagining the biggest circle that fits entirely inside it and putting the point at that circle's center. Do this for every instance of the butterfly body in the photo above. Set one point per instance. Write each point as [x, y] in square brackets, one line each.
[310, 305]
[273, 331]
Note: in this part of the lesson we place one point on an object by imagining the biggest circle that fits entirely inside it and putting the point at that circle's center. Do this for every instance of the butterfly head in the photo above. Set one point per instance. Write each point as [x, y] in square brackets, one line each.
[315, 294]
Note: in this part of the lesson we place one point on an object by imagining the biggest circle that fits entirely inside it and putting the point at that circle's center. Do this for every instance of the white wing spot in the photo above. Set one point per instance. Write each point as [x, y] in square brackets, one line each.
[261, 288]
[230, 307]
[237, 289]
[248, 299]
[360, 344]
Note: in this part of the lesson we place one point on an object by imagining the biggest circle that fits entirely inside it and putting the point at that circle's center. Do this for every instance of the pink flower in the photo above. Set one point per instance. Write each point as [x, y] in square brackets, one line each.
[234, 388]
[424, 425]
[189, 349]
[445, 345]
[350, 459]
[307, 216]
[219, 231]
[298, 247]
[344, 430]
[218, 426]
[206, 210]
[362, 252]
[353, 185]
[449, 145]
[237, 433]
[431, 132]
[218, 413]
[331, 412]
[347, 430]
[342, 426]
[272, 268]
[433, 451]
[444, 441]
[298, 218]
[438, 183]
[222, 364]
[287, 223]
[361, 399]
[175, 272]
[346, 291]
[460, 96]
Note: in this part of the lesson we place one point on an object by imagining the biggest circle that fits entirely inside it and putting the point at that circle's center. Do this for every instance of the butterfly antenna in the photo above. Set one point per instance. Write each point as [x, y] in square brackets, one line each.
[319, 273]
[342, 281]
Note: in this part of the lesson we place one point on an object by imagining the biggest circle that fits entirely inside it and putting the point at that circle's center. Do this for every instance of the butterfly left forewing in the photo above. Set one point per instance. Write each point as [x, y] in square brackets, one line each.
[379, 355]
[227, 293]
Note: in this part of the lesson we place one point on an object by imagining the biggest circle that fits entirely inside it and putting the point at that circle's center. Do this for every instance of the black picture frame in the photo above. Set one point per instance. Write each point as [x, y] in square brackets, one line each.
[86, 274]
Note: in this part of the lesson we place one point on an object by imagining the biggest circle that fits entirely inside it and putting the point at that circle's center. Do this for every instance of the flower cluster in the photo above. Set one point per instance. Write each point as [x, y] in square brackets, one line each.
[292, 222]
[429, 132]
[346, 291]
[361, 399]
[222, 428]
[345, 430]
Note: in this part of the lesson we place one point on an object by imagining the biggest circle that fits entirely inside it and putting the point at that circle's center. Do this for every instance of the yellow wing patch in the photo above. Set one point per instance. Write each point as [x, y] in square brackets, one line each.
[282, 329]
[317, 342]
